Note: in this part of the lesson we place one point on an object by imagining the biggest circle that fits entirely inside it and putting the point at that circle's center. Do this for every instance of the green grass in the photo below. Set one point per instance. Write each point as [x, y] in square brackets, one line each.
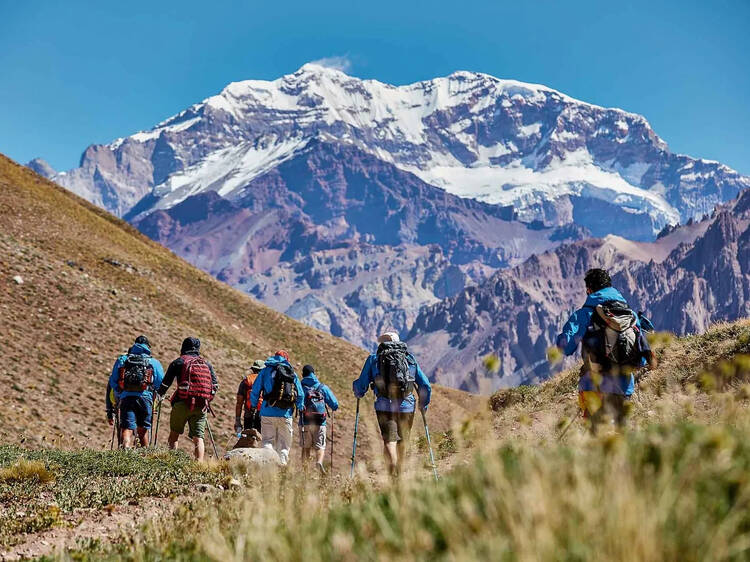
[38, 487]
[678, 492]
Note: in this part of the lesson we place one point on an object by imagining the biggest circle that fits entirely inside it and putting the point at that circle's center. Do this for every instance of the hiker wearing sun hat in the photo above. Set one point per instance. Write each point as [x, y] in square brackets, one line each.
[252, 415]
[393, 373]
[282, 392]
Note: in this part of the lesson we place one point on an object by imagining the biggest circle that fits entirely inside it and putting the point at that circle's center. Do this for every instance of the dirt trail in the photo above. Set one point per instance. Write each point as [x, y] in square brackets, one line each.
[103, 524]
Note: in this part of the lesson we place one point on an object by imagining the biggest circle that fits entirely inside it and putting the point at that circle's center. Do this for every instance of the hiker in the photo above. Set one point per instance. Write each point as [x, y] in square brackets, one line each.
[252, 415]
[392, 372]
[134, 377]
[282, 393]
[312, 421]
[196, 387]
[613, 346]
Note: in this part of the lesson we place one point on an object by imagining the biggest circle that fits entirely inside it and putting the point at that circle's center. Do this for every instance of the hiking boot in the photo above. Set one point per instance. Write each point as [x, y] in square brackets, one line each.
[321, 468]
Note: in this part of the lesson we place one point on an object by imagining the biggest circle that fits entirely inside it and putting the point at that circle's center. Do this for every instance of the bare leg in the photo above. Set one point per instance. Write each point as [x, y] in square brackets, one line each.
[173, 437]
[127, 438]
[390, 450]
[200, 448]
[401, 453]
[143, 436]
[321, 454]
[305, 453]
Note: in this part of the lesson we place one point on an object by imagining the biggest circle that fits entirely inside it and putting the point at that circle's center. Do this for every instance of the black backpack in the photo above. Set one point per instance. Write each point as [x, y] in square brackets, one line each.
[619, 341]
[284, 391]
[395, 379]
[136, 373]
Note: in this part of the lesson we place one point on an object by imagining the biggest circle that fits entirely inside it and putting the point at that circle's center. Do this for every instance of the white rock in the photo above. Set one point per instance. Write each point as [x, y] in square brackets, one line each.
[18, 279]
[259, 457]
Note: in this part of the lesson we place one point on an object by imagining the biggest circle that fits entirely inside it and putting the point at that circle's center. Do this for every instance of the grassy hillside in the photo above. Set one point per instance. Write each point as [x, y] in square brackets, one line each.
[91, 283]
[674, 486]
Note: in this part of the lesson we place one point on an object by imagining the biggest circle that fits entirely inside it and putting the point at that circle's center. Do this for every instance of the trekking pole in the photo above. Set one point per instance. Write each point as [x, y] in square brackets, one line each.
[429, 443]
[569, 425]
[158, 418]
[112, 442]
[151, 429]
[354, 443]
[331, 416]
[210, 433]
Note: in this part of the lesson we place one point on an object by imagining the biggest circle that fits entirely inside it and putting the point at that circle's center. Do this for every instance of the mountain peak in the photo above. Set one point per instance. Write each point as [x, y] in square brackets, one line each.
[41, 167]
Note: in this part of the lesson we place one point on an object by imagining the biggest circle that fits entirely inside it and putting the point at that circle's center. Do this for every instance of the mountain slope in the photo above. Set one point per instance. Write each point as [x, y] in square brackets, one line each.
[328, 229]
[500, 141]
[685, 281]
[77, 285]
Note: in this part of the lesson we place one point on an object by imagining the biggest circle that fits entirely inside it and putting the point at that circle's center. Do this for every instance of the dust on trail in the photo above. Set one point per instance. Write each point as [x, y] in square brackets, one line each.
[106, 525]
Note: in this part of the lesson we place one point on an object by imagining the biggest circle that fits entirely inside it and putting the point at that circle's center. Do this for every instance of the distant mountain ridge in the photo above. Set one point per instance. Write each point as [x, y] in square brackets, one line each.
[499, 141]
[356, 206]
[697, 275]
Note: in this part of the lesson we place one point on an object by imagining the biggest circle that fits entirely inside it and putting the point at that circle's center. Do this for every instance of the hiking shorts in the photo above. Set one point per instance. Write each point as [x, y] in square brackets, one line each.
[313, 436]
[195, 418]
[395, 426]
[135, 411]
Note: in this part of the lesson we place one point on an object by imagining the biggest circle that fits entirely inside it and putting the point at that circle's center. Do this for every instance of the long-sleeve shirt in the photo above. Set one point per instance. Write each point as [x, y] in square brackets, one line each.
[576, 331]
[366, 381]
[137, 349]
[264, 384]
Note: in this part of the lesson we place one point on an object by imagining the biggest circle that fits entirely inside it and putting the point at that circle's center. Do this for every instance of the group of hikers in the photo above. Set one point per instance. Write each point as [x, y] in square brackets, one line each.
[270, 395]
[611, 337]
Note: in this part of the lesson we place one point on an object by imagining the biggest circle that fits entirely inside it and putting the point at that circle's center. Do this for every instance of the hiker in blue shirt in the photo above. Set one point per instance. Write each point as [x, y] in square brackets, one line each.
[394, 407]
[605, 385]
[134, 377]
[282, 393]
[313, 419]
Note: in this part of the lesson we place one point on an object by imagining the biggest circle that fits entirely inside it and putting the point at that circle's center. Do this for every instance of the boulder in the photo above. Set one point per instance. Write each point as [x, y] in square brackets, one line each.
[258, 457]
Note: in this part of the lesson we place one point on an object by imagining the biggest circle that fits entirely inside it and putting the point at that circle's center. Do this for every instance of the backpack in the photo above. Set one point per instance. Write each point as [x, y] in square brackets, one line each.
[395, 379]
[136, 373]
[284, 390]
[619, 334]
[249, 381]
[194, 385]
[315, 405]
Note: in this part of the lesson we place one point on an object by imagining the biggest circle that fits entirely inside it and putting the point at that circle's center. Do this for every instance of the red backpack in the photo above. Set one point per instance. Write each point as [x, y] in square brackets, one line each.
[194, 383]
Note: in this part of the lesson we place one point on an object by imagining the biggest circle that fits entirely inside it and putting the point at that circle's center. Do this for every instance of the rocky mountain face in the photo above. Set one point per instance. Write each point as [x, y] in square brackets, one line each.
[551, 157]
[344, 241]
[352, 204]
[696, 275]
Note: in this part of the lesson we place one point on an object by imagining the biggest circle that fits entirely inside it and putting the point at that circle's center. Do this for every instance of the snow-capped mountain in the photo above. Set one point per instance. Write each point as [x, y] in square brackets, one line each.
[553, 158]
[357, 206]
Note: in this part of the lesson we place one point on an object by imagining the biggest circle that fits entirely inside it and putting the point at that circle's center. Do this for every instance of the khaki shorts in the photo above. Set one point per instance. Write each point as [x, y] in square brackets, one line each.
[195, 418]
[313, 436]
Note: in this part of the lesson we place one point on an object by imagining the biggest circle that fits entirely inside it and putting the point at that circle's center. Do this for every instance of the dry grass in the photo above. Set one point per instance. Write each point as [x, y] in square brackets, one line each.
[25, 470]
[92, 283]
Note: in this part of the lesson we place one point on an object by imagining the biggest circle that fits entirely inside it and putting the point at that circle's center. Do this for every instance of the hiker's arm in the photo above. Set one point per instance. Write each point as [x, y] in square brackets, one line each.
[214, 380]
[300, 395]
[424, 389]
[257, 385]
[361, 385]
[647, 353]
[174, 369]
[158, 373]
[240, 401]
[330, 398]
[573, 331]
[114, 378]
[109, 405]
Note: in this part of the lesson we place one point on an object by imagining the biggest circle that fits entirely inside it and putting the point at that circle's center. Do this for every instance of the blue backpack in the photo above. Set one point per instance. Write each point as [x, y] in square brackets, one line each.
[315, 405]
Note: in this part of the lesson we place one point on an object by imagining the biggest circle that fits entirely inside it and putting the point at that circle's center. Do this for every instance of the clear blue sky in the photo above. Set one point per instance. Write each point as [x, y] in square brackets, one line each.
[74, 73]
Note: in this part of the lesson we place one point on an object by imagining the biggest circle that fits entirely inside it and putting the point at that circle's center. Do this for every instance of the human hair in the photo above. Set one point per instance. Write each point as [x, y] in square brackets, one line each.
[597, 279]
